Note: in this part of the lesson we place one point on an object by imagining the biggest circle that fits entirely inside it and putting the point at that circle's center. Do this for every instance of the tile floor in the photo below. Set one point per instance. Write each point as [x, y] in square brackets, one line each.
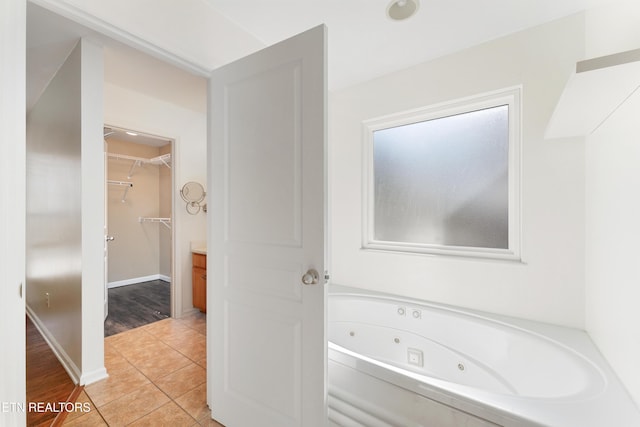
[157, 377]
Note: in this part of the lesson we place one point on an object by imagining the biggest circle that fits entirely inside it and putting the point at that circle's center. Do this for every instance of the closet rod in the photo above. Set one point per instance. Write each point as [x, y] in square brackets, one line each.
[126, 184]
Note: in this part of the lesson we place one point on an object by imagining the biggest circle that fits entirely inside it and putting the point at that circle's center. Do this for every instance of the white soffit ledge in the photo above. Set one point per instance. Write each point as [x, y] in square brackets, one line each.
[593, 93]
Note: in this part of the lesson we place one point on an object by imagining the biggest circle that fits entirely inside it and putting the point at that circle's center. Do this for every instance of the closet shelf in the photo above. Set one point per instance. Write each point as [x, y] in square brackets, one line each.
[126, 184]
[164, 159]
[164, 221]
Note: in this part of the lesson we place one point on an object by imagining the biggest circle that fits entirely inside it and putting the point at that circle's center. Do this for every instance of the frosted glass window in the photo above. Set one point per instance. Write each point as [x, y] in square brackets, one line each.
[444, 183]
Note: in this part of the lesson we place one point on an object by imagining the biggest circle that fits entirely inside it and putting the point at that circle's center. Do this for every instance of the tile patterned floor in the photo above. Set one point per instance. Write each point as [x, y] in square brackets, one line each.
[157, 377]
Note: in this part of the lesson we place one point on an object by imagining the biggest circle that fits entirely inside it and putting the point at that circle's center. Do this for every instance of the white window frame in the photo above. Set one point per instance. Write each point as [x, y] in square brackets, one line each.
[509, 96]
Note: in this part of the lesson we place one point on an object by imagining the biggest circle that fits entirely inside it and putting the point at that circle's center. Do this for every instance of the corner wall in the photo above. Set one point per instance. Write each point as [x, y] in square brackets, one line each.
[65, 214]
[54, 227]
[93, 199]
[613, 208]
[549, 284]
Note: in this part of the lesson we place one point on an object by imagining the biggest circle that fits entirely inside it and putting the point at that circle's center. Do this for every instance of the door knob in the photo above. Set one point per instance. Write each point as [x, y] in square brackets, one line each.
[311, 277]
[109, 238]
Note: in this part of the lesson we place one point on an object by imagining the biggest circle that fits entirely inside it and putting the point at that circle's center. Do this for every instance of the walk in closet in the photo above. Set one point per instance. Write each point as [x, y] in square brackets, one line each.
[139, 187]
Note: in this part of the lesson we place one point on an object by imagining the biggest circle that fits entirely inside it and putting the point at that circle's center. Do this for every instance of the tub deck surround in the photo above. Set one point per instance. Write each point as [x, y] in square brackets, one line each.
[494, 369]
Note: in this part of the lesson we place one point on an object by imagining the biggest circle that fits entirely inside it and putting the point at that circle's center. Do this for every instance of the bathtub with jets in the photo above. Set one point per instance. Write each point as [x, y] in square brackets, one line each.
[395, 361]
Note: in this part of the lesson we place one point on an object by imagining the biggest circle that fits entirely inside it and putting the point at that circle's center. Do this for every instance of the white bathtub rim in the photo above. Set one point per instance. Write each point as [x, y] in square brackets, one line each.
[545, 331]
[570, 340]
[613, 402]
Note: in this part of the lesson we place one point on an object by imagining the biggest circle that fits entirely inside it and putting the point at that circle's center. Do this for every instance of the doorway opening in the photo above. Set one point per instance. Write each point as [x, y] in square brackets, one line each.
[138, 229]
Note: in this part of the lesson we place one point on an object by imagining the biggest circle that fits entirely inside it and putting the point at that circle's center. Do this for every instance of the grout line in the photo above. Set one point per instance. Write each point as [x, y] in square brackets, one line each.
[186, 324]
[73, 397]
[97, 409]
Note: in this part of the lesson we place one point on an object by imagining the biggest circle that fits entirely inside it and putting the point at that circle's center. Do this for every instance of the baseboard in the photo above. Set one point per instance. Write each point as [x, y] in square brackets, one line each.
[135, 280]
[188, 312]
[58, 350]
[92, 377]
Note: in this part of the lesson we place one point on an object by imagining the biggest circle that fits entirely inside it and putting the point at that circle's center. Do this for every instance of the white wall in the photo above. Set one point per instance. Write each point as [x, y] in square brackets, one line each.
[92, 219]
[65, 209]
[12, 213]
[549, 284]
[133, 110]
[613, 210]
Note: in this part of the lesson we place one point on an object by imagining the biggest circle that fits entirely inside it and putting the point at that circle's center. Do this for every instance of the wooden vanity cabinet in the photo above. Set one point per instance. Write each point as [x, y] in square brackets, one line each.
[199, 281]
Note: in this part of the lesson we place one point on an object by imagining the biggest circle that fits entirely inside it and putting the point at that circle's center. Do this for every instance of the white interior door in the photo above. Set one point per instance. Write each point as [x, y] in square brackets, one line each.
[266, 168]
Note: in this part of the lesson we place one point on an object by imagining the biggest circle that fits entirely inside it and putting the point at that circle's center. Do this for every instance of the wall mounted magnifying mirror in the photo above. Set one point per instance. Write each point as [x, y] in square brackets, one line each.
[193, 193]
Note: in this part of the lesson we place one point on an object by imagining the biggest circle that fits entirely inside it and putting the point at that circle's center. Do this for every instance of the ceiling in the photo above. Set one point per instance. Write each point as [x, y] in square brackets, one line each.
[363, 42]
[111, 132]
[51, 37]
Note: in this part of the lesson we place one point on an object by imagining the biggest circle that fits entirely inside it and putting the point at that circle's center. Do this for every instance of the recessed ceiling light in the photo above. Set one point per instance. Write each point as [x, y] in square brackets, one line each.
[399, 10]
[132, 133]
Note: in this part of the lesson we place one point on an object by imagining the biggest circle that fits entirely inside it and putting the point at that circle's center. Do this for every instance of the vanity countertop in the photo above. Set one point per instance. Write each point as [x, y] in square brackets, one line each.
[199, 250]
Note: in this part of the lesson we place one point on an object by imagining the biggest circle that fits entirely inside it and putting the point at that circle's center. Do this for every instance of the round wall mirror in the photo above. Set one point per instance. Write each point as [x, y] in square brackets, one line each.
[193, 193]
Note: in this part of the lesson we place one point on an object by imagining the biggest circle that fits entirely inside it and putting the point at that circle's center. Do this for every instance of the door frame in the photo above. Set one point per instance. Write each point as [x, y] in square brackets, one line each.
[14, 384]
[176, 288]
[12, 220]
[17, 29]
[79, 16]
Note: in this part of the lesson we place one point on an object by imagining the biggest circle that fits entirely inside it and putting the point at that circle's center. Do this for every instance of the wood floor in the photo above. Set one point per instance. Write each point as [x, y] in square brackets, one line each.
[137, 305]
[47, 381]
